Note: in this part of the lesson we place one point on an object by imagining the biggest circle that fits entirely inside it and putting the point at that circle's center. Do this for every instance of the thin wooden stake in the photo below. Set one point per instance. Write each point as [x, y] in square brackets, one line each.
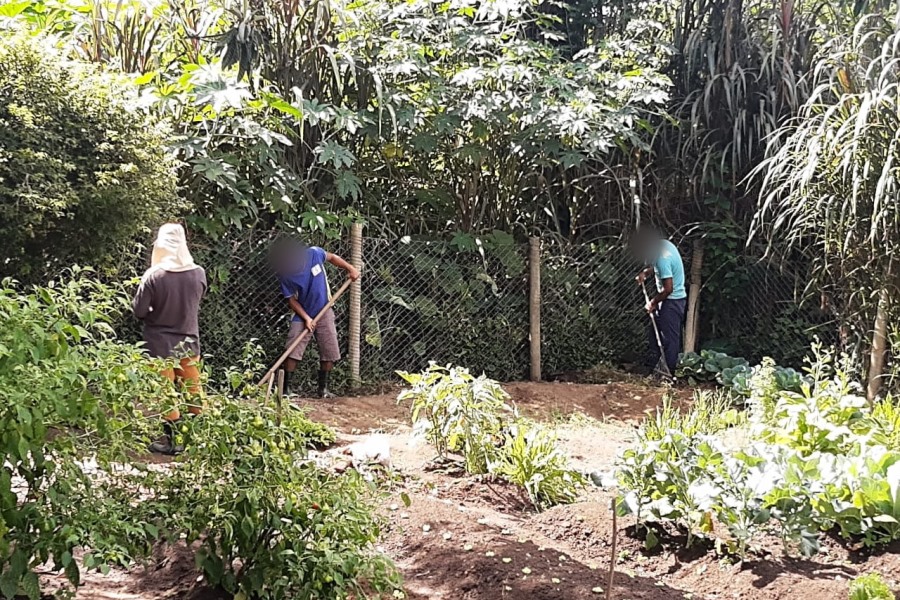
[279, 397]
[612, 557]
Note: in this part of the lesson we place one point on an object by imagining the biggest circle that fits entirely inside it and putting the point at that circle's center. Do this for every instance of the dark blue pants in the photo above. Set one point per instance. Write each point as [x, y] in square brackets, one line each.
[670, 321]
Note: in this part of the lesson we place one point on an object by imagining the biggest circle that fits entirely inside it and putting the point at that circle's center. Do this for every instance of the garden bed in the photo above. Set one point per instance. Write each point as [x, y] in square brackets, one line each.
[461, 537]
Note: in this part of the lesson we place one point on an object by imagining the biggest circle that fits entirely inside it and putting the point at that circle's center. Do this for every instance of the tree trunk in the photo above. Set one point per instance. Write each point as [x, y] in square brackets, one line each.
[693, 308]
[879, 347]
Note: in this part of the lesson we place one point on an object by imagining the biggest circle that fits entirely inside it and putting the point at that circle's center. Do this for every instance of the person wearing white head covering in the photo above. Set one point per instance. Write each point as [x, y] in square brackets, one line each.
[168, 303]
[170, 252]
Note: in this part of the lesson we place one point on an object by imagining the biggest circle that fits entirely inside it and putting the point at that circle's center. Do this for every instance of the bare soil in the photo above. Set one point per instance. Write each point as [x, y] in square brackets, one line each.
[470, 539]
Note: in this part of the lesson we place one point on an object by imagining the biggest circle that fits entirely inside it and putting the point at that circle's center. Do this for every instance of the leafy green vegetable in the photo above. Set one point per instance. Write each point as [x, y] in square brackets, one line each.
[870, 587]
[814, 460]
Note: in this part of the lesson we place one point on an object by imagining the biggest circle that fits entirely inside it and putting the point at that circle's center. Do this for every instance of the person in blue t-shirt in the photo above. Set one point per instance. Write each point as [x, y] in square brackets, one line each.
[670, 302]
[301, 273]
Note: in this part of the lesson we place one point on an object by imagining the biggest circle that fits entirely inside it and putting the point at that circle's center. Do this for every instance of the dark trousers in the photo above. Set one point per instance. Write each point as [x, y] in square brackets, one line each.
[670, 321]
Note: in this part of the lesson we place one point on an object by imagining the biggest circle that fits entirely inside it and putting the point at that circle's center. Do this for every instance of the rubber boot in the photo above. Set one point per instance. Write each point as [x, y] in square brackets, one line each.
[166, 445]
[288, 387]
[323, 385]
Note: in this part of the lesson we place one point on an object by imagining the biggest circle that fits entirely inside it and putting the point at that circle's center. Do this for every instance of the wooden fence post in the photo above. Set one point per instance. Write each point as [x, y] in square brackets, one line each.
[693, 308]
[534, 306]
[878, 352]
[353, 345]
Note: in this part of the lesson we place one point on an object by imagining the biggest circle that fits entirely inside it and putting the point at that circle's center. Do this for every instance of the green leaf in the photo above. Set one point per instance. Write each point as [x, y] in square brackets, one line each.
[348, 185]
[650, 540]
[9, 584]
[145, 78]
[333, 153]
[13, 9]
[31, 586]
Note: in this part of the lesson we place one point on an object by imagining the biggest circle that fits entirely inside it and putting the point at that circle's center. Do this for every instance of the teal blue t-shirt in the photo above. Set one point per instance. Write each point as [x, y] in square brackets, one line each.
[669, 265]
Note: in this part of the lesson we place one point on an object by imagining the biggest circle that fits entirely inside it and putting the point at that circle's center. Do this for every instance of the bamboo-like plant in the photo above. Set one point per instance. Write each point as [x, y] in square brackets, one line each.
[829, 181]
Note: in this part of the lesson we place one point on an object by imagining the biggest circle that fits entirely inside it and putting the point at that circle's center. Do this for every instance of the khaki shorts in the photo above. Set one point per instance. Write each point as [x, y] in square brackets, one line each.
[326, 339]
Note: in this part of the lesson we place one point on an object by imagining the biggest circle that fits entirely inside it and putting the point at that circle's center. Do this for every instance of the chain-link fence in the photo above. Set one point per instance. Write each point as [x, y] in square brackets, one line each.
[469, 305]
[425, 301]
[755, 308]
[592, 311]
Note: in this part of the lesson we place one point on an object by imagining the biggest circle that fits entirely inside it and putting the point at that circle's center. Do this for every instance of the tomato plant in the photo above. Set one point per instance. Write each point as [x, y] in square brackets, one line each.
[68, 415]
[270, 523]
[467, 415]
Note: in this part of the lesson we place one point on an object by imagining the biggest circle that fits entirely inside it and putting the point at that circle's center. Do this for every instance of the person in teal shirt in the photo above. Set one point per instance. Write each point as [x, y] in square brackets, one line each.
[662, 259]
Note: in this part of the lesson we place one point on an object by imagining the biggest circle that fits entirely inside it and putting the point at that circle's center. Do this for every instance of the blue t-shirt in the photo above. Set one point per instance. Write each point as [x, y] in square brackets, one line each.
[309, 285]
[669, 265]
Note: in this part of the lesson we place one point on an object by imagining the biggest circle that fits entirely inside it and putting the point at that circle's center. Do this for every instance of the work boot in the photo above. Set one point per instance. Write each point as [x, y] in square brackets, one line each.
[323, 385]
[166, 445]
[288, 390]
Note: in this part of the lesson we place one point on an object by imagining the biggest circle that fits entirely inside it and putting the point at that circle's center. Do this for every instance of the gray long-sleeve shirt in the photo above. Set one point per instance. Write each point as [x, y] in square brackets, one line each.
[169, 304]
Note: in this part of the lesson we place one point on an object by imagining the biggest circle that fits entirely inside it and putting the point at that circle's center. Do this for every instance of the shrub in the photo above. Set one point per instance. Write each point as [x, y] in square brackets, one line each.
[82, 172]
[270, 524]
[457, 412]
[734, 374]
[886, 414]
[870, 587]
[68, 392]
[816, 461]
[708, 365]
[241, 382]
[709, 413]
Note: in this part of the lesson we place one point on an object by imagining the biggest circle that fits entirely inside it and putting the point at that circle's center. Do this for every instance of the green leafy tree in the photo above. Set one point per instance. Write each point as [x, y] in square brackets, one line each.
[82, 172]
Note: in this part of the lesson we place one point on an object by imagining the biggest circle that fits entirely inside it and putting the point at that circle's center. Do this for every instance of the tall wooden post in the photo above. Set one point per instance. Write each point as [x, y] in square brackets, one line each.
[693, 308]
[879, 348]
[534, 306]
[353, 345]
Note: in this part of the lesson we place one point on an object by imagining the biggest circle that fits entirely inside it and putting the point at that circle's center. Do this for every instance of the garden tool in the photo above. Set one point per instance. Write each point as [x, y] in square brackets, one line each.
[270, 375]
[661, 367]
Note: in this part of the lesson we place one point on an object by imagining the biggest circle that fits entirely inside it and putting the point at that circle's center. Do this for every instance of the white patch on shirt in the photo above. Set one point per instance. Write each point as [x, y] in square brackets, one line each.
[316, 270]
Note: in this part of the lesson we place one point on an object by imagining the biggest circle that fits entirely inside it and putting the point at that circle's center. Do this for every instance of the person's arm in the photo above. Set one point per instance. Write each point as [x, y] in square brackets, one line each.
[664, 272]
[142, 305]
[298, 309]
[643, 274]
[289, 291]
[352, 272]
[658, 298]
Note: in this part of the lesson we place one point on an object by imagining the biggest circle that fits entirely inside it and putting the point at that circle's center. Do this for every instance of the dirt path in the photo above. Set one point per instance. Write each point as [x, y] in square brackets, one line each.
[464, 538]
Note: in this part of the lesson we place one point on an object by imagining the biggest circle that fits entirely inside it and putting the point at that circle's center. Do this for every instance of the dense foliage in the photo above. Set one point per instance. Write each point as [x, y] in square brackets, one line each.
[829, 179]
[467, 416]
[531, 117]
[821, 459]
[68, 392]
[74, 477]
[82, 171]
